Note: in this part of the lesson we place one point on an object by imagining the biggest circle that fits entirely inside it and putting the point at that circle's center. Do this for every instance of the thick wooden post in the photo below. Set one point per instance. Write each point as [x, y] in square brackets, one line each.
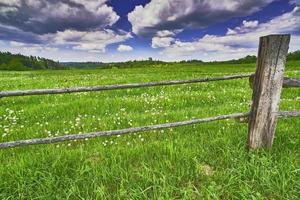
[267, 87]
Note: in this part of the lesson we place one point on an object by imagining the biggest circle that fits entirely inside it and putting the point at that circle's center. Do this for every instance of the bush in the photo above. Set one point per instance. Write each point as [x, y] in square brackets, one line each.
[16, 65]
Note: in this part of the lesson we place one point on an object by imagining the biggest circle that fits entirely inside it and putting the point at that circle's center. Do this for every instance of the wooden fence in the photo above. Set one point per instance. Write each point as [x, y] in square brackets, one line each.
[267, 84]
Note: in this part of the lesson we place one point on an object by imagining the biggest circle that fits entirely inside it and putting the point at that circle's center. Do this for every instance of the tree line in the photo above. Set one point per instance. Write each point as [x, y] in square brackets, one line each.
[9, 61]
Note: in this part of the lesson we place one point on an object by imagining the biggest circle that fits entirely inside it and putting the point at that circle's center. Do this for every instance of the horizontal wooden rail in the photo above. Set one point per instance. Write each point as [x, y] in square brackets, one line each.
[287, 82]
[284, 114]
[291, 82]
[291, 113]
[294, 113]
[115, 132]
[116, 87]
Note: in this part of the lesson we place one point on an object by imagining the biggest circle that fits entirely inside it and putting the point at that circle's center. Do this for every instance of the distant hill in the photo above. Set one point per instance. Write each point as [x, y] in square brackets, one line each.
[248, 59]
[252, 59]
[245, 60]
[137, 63]
[84, 65]
[127, 64]
[9, 61]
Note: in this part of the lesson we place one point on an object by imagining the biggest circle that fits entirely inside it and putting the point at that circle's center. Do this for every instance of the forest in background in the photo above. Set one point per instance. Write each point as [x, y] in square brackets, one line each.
[18, 62]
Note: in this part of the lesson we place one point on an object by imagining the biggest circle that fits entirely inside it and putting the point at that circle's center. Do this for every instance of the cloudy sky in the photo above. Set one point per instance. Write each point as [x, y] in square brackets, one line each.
[119, 30]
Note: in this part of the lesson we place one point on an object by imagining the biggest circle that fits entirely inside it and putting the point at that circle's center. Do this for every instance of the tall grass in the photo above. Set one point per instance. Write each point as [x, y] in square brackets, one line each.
[202, 161]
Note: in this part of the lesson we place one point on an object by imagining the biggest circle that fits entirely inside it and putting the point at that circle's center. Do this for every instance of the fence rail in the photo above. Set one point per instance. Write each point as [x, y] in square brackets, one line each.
[117, 87]
[266, 84]
[83, 136]
[291, 82]
[287, 82]
[117, 132]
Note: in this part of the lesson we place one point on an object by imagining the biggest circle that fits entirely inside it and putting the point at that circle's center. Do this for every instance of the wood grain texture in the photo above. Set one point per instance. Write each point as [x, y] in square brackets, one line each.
[116, 87]
[267, 87]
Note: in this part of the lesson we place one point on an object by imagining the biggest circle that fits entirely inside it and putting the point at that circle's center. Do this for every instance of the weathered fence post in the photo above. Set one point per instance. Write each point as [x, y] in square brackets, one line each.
[267, 87]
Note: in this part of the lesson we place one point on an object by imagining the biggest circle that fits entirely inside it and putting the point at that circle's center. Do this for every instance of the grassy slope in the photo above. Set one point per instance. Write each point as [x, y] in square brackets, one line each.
[207, 160]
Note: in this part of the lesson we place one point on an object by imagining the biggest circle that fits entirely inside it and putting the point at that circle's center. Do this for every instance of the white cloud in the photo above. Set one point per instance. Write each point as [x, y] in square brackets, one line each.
[158, 42]
[11, 2]
[243, 42]
[250, 24]
[246, 27]
[163, 38]
[93, 41]
[69, 55]
[176, 14]
[95, 9]
[31, 48]
[50, 16]
[124, 48]
[44, 25]
[165, 33]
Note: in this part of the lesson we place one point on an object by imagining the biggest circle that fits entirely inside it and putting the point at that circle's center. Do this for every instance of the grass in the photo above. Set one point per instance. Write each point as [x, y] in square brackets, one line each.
[205, 161]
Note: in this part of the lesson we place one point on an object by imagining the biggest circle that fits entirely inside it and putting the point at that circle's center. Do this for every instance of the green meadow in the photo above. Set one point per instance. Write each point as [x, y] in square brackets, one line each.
[204, 161]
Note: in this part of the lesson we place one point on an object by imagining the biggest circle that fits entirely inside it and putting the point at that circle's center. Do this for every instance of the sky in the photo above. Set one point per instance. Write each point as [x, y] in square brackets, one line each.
[121, 30]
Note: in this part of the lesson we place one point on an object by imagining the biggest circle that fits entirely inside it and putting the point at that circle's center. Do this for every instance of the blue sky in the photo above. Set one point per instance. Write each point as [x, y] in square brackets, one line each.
[120, 30]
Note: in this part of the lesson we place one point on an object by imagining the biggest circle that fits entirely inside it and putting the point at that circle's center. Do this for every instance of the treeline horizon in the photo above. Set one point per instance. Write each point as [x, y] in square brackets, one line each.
[19, 62]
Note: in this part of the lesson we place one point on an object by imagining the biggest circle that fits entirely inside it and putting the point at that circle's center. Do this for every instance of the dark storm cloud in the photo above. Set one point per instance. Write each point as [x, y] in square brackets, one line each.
[38, 17]
[13, 34]
[177, 14]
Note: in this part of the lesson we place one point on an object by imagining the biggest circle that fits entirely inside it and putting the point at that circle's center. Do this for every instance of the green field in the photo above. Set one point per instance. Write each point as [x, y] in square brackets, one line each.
[205, 161]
